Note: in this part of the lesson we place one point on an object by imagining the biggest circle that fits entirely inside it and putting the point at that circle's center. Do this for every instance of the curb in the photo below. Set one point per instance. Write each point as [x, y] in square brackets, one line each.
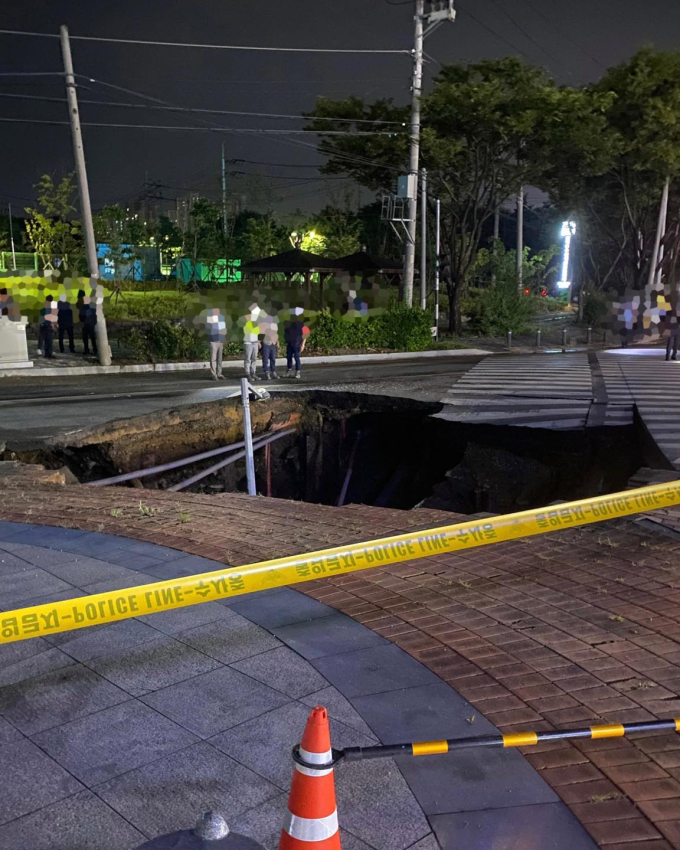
[54, 372]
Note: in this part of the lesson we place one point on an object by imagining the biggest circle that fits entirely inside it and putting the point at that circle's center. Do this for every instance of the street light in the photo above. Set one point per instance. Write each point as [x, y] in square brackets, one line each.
[567, 233]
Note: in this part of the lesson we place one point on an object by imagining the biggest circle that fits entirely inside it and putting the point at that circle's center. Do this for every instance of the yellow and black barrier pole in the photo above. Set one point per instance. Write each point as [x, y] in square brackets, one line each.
[68, 614]
[515, 739]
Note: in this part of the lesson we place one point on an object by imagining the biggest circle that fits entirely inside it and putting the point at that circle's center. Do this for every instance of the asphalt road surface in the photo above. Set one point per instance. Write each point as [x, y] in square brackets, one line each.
[33, 408]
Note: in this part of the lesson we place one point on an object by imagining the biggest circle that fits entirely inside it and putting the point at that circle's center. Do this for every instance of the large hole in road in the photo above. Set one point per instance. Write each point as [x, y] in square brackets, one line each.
[382, 451]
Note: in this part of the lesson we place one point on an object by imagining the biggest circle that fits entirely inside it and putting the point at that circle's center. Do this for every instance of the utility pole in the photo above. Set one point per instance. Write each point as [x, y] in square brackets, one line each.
[423, 239]
[660, 228]
[437, 248]
[11, 239]
[84, 192]
[520, 236]
[496, 236]
[224, 194]
[414, 153]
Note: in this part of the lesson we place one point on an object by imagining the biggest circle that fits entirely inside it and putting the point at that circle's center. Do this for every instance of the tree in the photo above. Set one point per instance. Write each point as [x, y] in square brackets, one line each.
[207, 241]
[52, 230]
[121, 236]
[487, 128]
[615, 197]
[340, 229]
[262, 237]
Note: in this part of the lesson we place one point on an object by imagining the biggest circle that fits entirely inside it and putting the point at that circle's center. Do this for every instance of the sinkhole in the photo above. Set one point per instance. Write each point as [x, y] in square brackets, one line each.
[359, 448]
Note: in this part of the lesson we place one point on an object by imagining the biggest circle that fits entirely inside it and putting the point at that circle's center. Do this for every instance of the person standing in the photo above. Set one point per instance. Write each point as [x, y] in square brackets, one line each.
[674, 334]
[217, 332]
[251, 343]
[88, 320]
[48, 318]
[270, 346]
[295, 336]
[65, 321]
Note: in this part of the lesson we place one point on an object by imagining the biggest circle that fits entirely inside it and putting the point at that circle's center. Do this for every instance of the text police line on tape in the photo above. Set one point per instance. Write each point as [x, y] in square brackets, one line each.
[191, 590]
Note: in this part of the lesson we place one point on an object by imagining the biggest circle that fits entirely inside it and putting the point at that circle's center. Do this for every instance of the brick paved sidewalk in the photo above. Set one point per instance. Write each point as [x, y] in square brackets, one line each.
[569, 629]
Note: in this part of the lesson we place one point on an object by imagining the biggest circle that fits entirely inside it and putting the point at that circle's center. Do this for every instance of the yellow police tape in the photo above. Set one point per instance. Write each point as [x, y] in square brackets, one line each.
[176, 593]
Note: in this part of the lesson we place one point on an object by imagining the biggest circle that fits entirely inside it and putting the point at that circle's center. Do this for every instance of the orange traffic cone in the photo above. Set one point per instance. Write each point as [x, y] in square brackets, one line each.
[311, 821]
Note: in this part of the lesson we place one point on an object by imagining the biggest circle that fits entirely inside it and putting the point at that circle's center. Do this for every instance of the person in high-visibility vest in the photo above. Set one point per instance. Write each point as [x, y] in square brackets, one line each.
[251, 344]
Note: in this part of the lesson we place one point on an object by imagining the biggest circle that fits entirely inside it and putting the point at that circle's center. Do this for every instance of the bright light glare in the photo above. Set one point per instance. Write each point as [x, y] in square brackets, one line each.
[567, 233]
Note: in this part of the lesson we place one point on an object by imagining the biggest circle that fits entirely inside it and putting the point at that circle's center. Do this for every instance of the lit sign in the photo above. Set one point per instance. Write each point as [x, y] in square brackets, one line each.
[567, 233]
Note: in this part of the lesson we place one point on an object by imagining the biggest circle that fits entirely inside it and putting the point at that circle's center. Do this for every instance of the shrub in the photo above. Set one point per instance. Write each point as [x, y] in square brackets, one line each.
[162, 340]
[401, 328]
[148, 305]
[594, 310]
[495, 311]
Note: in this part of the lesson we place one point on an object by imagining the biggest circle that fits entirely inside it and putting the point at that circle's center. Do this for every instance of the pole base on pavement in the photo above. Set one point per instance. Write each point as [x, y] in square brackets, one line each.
[211, 833]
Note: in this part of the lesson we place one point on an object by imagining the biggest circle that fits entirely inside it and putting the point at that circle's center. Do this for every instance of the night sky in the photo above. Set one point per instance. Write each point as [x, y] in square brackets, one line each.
[574, 40]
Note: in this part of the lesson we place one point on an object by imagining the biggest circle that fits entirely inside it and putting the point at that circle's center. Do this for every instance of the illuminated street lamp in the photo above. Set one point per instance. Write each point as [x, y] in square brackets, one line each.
[567, 233]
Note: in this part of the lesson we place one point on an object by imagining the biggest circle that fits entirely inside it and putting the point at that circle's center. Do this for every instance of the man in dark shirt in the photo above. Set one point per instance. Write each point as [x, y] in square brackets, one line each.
[65, 319]
[48, 318]
[88, 319]
[295, 334]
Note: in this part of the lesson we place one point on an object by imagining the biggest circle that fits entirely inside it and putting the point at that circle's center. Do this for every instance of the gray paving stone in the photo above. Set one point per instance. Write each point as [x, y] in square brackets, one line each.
[20, 650]
[159, 553]
[376, 805]
[8, 733]
[229, 640]
[81, 822]
[284, 670]
[215, 701]
[114, 638]
[96, 542]
[165, 795]
[426, 713]
[19, 587]
[42, 557]
[264, 743]
[133, 580]
[328, 636]
[182, 619]
[152, 665]
[474, 779]
[427, 843]
[370, 671]
[10, 563]
[121, 738]
[35, 665]
[544, 827]
[282, 609]
[263, 824]
[187, 565]
[10, 529]
[245, 597]
[84, 571]
[129, 559]
[55, 698]
[43, 598]
[339, 708]
[30, 780]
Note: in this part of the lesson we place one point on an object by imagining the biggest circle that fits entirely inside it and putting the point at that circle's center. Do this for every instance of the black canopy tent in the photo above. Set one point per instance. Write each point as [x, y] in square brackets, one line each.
[304, 264]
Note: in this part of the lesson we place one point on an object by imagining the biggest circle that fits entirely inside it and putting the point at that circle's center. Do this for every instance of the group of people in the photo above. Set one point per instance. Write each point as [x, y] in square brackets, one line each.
[260, 336]
[58, 315]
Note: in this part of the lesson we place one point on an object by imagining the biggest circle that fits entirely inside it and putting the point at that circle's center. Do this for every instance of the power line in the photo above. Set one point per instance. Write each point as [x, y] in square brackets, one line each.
[205, 46]
[530, 38]
[81, 101]
[32, 73]
[495, 34]
[564, 34]
[194, 129]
